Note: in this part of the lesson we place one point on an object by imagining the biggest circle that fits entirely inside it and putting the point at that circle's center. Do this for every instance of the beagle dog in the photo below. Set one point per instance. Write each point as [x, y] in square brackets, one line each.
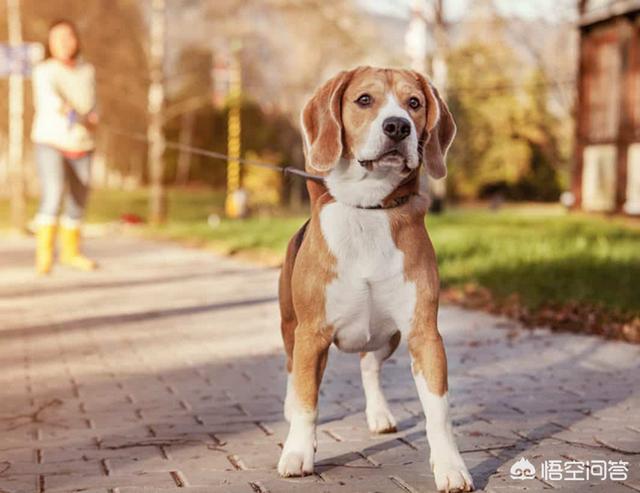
[362, 271]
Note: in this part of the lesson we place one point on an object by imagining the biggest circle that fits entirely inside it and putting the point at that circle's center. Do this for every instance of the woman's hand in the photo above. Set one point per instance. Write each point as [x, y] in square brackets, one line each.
[91, 120]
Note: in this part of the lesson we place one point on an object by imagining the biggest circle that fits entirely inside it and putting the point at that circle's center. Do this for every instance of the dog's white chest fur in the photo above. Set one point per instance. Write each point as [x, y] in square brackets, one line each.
[370, 299]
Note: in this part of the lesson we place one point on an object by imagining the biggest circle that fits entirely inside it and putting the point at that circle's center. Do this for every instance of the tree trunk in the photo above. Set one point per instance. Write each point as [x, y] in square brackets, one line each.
[155, 134]
[15, 155]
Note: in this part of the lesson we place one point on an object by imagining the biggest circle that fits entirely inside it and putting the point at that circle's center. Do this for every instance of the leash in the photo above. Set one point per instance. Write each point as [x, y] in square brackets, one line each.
[285, 170]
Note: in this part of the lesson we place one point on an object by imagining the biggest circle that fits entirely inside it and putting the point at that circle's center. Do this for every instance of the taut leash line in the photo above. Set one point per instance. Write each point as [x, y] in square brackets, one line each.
[286, 170]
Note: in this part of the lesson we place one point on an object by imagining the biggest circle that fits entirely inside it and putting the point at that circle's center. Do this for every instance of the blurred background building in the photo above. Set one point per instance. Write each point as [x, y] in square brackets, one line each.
[607, 172]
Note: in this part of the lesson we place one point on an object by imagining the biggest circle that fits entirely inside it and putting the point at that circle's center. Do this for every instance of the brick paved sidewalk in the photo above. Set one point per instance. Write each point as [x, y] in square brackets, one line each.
[163, 372]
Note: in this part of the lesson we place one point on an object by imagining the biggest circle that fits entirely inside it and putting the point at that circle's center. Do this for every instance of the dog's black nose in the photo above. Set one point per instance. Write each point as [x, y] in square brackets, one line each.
[396, 128]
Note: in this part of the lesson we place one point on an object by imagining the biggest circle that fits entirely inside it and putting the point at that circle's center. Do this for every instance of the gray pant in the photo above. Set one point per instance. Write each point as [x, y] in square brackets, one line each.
[56, 171]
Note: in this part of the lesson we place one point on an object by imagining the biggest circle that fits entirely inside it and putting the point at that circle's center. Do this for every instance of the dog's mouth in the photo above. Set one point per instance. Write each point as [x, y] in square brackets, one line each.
[391, 159]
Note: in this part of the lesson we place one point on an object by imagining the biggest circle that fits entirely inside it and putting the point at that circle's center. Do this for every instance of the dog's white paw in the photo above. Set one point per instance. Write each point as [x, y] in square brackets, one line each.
[380, 419]
[296, 462]
[452, 476]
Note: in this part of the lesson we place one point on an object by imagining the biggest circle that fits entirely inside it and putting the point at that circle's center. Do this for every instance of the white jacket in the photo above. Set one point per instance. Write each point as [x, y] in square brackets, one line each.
[55, 83]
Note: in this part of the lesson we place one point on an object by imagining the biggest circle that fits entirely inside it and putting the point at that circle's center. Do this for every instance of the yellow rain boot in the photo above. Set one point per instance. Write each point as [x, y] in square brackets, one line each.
[45, 236]
[70, 252]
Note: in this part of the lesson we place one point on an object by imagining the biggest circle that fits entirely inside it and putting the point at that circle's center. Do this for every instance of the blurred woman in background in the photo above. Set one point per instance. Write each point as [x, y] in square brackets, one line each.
[63, 133]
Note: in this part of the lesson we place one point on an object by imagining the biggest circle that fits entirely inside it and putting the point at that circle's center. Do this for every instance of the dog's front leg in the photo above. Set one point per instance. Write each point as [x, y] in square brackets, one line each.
[309, 360]
[429, 368]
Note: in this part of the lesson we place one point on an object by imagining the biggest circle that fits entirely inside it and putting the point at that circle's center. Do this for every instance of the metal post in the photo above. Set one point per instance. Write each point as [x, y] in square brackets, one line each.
[155, 134]
[232, 207]
[16, 123]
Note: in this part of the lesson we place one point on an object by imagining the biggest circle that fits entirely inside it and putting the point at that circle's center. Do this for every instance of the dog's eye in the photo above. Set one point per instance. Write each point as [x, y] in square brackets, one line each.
[414, 103]
[364, 100]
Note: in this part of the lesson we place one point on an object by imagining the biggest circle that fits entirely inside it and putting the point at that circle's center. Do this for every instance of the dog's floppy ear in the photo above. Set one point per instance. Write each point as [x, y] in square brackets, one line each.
[322, 123]
[439, 131]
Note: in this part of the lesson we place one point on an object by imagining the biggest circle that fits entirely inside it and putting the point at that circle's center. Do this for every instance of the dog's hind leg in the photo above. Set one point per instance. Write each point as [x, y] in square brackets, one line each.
[379, 417]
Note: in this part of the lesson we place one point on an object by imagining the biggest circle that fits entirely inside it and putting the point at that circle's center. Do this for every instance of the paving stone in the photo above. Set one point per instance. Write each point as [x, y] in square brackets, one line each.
[164, 372]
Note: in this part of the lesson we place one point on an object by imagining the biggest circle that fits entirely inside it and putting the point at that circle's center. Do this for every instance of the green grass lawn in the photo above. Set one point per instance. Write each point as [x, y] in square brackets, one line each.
[540, 253]
[543, 256]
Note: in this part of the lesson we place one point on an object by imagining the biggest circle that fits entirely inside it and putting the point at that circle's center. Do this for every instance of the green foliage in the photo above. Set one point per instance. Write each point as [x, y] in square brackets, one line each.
[507, 137]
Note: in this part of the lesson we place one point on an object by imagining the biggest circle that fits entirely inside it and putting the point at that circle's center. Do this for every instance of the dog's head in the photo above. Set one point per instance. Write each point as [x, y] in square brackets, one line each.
[366, 129]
